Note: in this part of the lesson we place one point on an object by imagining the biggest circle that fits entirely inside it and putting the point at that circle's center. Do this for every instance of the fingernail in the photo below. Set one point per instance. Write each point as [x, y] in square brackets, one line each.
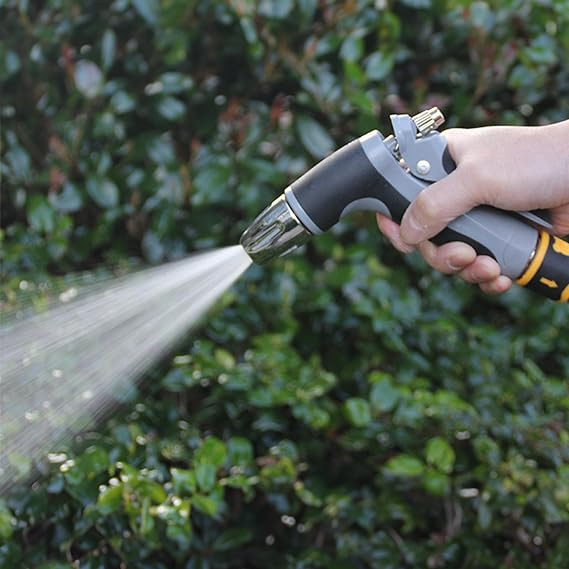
[457, 262]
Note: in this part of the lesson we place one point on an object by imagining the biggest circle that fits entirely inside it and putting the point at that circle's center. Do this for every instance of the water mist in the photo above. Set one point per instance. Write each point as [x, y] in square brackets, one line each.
[60, 369]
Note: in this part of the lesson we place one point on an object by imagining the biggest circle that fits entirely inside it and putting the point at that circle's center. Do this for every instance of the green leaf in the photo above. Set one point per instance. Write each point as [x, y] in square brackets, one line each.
[378, 66]
[205, 504]
[417, 3]
[171, 108]
[314, 138]
[68, 200]
[154, 251]
[212, 451]
[352, 48]
[542, 50]
[173, 82]
[19, 162]
[232, 538]
[88, 78]
[440, 454]
[436, 483]
[149, 10]
[405, 465]
[357, 411]
[240, 450]
[277, 9]
[6, 517]
[122, 102]
[108, 49]
[210, 184]
[41, 216]
[484, 515]
[180, 533]
[151, 490]
[384, 396]
[184, 481]
[103, 191]
[10, 63]
[93, 461]
[225, 359]
[110, 499]
[206, 476]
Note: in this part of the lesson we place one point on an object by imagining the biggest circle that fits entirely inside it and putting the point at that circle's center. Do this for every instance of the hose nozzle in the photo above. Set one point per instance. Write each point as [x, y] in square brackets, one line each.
[275, 232]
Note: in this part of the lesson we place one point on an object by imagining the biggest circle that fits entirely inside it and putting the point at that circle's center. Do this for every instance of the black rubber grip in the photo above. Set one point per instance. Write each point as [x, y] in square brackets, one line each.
[342, 178]
[448, 162]
[449, 235]
[548, 272]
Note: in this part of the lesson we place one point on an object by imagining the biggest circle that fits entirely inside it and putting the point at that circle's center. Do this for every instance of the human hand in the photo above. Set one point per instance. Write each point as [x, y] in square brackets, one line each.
[508, 167]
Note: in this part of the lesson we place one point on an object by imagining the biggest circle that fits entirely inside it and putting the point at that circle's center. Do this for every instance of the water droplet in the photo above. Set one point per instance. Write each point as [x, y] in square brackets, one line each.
[270, 539]
[288, 521]
[468, 492]
[68, 294]
[56, 457]
[67, 465]
[526, 109]
[153, 88]
[57, 373]
[88, 394]
[24, 285]
[31, 415]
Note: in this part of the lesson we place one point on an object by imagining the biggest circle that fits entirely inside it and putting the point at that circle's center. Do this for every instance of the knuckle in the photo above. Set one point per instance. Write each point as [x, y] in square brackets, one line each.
[426, 206]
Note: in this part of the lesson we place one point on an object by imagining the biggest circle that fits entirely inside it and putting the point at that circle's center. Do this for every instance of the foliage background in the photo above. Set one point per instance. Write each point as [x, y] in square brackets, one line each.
[342, 408]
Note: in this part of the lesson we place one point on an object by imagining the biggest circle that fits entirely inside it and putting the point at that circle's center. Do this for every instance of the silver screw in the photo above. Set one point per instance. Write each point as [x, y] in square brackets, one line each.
[423, 167]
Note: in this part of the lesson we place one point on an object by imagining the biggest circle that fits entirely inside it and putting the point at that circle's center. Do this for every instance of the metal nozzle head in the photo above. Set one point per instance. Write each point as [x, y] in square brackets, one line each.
[275, 232]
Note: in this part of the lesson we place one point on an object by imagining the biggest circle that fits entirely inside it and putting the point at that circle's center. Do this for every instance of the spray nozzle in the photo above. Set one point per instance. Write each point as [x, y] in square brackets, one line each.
[275, 232]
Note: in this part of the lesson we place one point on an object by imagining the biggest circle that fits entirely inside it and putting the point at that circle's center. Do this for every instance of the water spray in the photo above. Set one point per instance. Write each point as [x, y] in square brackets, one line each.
[63, 370]
[385, 174]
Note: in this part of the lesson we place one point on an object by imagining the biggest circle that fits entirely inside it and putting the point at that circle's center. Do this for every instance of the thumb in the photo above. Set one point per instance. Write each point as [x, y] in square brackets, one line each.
[436, 206]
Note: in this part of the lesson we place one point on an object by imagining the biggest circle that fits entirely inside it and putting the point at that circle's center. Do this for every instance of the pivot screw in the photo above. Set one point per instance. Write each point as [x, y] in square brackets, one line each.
[423, 167]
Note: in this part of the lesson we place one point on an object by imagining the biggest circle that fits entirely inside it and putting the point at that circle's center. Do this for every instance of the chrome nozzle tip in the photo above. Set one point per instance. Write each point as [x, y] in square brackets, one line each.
[275, 232]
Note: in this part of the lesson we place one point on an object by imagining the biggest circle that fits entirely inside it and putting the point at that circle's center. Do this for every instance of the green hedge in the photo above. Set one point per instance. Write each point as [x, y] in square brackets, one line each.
[345, 407]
